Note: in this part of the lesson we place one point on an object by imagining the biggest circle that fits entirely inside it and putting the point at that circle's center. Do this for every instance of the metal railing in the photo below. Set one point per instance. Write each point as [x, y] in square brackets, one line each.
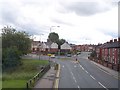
[30, 83]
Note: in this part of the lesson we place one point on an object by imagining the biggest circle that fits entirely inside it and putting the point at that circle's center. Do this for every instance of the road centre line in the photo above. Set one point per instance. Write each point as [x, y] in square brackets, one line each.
[75, 66]
[102, 85]
[86, 71]
[78, 86]
[80, 65]
[74, 79]
[92, 77]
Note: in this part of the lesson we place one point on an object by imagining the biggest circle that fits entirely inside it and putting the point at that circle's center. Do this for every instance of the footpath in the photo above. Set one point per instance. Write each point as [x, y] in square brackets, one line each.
[108, 70]
[49, 80]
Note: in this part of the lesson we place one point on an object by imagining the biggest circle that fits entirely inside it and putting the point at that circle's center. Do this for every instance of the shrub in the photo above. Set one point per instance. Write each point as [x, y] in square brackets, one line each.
[11, 58]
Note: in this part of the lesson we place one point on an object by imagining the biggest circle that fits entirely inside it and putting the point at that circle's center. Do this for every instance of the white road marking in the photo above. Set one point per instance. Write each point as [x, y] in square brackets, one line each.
[75, 66]
[86, 71]
[102, 85]
[78, 87]
[83, 68]
[74, 79]
[92, 77]
[80, 65]
[72, 73]
[63, 66]
[103, 71]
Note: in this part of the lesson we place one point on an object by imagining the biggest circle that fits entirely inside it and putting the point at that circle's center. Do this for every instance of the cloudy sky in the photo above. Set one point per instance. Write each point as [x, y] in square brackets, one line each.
[79, 21]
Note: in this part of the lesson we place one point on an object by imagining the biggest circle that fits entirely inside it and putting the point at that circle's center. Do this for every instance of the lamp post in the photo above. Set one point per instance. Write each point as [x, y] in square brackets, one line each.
[52, 27]
[40, 46]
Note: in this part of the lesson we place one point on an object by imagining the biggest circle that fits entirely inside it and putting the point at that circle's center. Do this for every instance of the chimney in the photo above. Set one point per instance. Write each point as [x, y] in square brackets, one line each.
[115, 40]
[118, 39]
[111, 41]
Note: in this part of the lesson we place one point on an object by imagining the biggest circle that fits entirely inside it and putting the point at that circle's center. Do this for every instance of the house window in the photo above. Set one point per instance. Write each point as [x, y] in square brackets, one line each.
[118, 55]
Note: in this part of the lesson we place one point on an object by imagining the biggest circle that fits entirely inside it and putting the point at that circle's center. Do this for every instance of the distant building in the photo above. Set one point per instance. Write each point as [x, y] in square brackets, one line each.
[85, 48]
[45, 47]
[65, 47]
[109, 52]
[54, 48]
[35, 46]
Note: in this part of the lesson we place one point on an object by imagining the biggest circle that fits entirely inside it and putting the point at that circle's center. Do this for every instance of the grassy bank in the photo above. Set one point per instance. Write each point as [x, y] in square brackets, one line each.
[18, 78]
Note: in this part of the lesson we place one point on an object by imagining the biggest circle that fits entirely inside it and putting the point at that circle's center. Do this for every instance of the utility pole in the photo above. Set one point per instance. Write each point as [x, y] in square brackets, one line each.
[40, 46]
[52, 27]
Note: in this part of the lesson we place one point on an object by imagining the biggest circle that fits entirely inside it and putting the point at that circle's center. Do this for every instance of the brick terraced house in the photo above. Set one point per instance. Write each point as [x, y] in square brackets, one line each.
[108, 54]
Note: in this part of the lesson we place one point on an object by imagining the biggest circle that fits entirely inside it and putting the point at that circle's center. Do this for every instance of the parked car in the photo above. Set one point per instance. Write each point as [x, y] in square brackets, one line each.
[69, 55]
[52, 56]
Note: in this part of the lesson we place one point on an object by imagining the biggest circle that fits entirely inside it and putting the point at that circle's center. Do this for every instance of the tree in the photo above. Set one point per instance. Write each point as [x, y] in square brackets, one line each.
[10, 58]
[53, 37]
[11, 37]
[14, 44]
[93, 54]
[60, 42]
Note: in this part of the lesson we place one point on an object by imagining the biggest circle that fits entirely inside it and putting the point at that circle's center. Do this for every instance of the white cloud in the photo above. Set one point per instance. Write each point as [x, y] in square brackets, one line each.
[78, 24]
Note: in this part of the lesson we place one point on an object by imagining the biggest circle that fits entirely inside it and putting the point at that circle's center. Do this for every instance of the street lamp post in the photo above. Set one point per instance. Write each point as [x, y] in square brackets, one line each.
[40, 46]
[52, 27]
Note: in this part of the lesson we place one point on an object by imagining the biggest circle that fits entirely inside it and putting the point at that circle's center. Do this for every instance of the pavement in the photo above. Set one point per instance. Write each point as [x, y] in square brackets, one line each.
[49, 80]
[108, 70]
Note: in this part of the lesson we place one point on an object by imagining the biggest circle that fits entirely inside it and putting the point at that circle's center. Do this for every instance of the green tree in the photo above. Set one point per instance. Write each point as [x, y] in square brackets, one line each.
[10, 59]
[11, 37]
[14, 45]
[60, 42]
[93, 54]
[53, 37]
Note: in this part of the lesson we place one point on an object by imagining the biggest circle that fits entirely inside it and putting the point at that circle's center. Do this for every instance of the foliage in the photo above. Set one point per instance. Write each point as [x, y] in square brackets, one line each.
[11, 37]
[60, 42]
[14, 45]
[53, 37]
[11, 58]
[93, 54]
[22, 73]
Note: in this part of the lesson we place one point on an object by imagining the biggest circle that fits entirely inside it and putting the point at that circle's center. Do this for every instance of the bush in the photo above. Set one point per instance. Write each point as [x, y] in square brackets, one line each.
[11, 58]
[93, 54]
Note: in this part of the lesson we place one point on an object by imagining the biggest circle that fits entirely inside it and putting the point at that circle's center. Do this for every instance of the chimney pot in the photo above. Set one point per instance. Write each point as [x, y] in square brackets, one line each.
[119, 39]
[111, 41]
[115, 40]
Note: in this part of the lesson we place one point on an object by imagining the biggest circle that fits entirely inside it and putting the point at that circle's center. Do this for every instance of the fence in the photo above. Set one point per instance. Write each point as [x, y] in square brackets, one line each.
[30, 83]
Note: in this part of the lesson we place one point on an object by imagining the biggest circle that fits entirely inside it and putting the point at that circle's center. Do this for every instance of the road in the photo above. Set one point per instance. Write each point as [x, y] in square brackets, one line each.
[84, 74]
[81, 75]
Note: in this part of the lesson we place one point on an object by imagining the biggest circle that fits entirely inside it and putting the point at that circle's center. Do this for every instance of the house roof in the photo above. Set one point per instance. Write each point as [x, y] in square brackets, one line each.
[110, 45]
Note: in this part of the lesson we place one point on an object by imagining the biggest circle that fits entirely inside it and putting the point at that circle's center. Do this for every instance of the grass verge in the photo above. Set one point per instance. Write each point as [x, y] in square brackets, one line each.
[19, 77]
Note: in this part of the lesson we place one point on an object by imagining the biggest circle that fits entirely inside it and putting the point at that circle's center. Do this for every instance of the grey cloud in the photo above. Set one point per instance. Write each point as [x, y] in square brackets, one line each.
[61, 22]
[85, 8]
[10, 14]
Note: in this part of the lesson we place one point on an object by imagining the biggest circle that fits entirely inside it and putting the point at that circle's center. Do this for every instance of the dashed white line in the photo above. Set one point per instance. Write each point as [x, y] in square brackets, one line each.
[102, 85]
[92, 77]
[86, 71]
[63, 66]
[80, 65]
[83, 68]
[74, 77]
[78, 86]
[75, 80]
[71, 73]
[75, 66]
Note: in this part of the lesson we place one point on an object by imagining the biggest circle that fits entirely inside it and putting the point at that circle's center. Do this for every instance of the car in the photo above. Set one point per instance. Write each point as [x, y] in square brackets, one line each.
[68, 55]
[52, 56]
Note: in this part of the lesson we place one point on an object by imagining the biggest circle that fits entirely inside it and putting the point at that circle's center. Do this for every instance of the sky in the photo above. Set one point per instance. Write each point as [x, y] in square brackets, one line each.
[76, 21]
